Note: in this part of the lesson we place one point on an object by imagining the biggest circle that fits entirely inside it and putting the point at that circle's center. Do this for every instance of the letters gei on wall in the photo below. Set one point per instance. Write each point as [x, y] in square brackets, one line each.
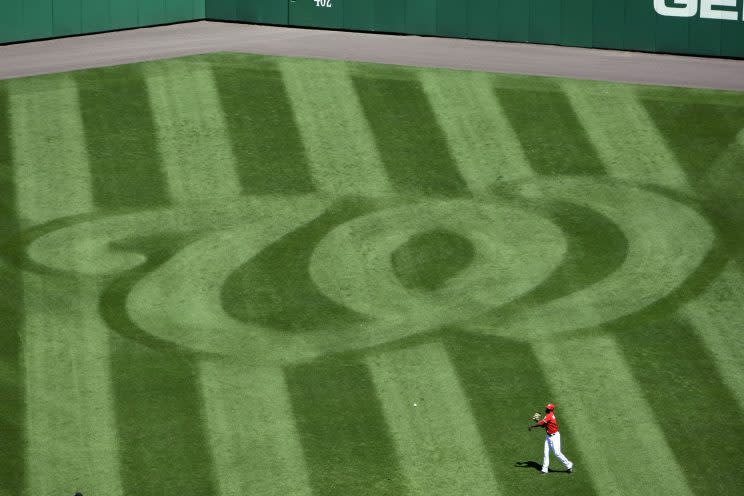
[728, 10]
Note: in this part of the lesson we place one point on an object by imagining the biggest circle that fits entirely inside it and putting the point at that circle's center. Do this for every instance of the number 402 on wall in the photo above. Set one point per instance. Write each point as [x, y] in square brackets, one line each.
[323, 3]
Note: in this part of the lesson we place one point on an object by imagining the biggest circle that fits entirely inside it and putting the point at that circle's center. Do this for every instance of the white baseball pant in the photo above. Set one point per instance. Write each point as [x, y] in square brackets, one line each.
[554, 442]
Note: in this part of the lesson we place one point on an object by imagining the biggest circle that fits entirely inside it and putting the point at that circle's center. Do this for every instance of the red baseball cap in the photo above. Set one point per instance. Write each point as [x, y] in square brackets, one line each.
[550, 406]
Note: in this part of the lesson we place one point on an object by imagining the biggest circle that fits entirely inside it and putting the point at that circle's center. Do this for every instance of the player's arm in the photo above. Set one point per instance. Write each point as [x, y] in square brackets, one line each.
[537, 424]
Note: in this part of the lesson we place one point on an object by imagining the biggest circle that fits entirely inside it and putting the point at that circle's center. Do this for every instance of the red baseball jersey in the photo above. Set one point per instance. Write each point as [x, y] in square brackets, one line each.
[550, 423]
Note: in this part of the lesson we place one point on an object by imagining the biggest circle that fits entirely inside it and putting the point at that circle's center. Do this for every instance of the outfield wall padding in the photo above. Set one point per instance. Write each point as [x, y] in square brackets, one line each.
[616, 24]
[22, 20]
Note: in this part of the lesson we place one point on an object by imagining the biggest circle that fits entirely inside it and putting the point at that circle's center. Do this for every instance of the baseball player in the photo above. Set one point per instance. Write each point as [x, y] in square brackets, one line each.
[552, 439]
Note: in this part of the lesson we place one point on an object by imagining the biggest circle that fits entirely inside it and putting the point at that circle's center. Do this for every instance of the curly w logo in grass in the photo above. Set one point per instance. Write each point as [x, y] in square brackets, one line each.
[240, 285]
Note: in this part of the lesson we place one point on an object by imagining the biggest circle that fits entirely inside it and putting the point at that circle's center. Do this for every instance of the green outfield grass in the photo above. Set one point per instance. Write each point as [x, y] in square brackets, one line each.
[242, 275]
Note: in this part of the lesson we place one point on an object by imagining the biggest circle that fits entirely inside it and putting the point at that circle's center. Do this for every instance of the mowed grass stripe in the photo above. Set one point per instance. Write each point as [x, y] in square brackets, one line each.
[49, 148]
[717, 318]
[428, 414]
[553, 139]
[251, 439]
[480, 137]
[610, 420]
[255, 443]
[626, 138]
[693, 406]
[70, 421]
[263, 131]
[410, 142]
[711, 154]
[163, 441]
[344, 436]
[505, 383]
[12, 470]
[69, 401]
[338, 140]
[192, 133]
[200, 166]
[156, 393]
[121, 138]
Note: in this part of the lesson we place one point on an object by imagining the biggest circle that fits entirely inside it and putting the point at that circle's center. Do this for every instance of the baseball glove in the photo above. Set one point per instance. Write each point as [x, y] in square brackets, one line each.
[536, 417]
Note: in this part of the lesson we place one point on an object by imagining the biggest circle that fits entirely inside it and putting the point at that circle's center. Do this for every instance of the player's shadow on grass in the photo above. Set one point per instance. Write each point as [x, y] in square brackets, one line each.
[530, 464]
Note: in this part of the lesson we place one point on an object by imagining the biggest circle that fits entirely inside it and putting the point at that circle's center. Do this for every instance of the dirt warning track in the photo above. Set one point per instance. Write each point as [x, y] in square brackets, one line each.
[136, 45]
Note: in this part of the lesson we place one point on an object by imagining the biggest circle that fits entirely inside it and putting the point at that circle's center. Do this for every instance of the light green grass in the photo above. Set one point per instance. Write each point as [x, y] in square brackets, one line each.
[338, 140]
[192, 133]
[62, 322]
[610, 413]
[252, 430]
[234, 274]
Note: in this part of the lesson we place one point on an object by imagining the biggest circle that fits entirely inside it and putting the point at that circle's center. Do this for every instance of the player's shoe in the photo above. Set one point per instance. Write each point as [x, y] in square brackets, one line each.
[570, 470]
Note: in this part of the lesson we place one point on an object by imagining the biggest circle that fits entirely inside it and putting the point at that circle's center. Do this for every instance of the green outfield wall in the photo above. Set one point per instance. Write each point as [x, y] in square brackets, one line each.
[35, 19]
[697, 27]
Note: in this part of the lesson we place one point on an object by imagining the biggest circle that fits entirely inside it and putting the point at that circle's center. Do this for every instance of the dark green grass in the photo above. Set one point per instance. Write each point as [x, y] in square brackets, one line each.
[695, 407]
[148, 383]
[275, 288]
[596, 248]
[427, 260]
[262, 128]
[710, 156]
[11, 320]
[345, 438]
[122, 146]
[552, 138]
[154, 379]
[493, 375]
[171, 452]
[113, 301]
[412, 146]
